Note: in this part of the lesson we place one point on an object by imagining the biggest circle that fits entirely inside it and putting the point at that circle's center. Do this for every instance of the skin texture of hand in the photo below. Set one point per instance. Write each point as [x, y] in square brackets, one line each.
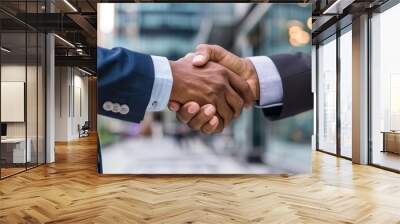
[242, 67]
[196, 116]
[209, 84]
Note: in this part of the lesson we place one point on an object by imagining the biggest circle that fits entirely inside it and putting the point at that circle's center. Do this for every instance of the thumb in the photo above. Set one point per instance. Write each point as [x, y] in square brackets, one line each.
[206, 52]
[200, 59]
[219, 55]
[203, 54]
[174, 106]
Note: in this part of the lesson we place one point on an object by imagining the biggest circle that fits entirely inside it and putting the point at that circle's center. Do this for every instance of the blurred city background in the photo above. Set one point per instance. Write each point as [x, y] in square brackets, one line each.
[161, 144]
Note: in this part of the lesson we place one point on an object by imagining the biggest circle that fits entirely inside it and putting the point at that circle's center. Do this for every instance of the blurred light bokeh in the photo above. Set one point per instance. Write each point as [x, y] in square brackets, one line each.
[161, 144]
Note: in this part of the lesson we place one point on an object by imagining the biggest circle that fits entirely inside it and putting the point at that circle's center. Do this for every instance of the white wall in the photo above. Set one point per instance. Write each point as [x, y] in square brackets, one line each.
[80, 94]
[16, 73]
[61, 103]
[71, 87]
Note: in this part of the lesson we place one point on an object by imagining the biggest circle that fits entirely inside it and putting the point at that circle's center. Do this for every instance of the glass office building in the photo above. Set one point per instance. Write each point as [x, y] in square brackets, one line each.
[357, 76]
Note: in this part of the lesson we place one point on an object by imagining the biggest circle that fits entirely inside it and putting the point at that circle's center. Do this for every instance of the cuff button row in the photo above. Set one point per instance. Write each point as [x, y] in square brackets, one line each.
[116, 107]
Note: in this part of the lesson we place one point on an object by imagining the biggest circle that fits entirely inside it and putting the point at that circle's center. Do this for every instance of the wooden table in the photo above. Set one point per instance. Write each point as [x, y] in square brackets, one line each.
[391, 141]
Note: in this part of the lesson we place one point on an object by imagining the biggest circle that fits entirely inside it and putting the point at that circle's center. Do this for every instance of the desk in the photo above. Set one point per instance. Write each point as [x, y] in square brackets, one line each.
[391, 141]
[13, 150]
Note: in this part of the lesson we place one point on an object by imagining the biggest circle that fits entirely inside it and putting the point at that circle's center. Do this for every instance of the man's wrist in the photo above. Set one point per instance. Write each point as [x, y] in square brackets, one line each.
[252, 79]
[174, 78]
[162, 84]
[269, 81]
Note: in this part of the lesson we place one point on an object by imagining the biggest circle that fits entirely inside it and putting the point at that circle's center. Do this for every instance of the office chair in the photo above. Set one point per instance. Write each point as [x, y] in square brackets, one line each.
[84, 130]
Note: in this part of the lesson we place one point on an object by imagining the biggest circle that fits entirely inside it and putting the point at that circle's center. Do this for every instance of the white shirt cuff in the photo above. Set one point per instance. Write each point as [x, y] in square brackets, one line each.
[271, 90]
[162, 85]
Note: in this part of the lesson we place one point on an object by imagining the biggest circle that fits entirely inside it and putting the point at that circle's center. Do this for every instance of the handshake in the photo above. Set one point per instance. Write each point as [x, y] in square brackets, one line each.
[211, 87]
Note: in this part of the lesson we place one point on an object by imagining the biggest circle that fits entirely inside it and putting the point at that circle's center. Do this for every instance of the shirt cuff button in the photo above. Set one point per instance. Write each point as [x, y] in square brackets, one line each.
[116, 108]
[124, 109]
[108, 106]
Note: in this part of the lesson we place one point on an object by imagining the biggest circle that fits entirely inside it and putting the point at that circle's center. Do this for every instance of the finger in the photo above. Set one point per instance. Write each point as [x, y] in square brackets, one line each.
[206, 113]
[188, 111]
[211, 126]
[202, 55]
[234, 63]
[221, 56]
[220, 126]
[174, 106]
[234, 101]
[224, 110]
[189, 55]
[242, 87]
[199, 60]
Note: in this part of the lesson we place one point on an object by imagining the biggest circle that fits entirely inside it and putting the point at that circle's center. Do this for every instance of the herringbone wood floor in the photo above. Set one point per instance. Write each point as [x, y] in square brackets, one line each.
[70, 191]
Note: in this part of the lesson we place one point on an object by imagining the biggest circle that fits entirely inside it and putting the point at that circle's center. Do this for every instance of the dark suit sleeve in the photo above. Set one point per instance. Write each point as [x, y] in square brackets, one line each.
[125, 78]
[295, 72]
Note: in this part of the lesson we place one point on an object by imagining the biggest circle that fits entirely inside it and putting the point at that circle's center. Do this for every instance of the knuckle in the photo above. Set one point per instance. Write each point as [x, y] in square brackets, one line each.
[201, 46]
[216, 47]
[203, 116]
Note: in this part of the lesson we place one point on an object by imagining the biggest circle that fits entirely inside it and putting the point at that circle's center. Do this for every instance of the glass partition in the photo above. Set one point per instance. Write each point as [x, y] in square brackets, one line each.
[327, 96]
[13, 114]
[385, 89]
[346, 93]
[22, 88]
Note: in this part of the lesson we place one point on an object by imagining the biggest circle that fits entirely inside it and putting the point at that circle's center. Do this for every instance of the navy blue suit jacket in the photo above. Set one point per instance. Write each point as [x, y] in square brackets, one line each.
[124, 77]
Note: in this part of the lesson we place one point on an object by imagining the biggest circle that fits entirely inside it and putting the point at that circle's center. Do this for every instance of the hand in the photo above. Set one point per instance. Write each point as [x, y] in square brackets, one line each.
[240, 66]
[210, 84]
[199, 118]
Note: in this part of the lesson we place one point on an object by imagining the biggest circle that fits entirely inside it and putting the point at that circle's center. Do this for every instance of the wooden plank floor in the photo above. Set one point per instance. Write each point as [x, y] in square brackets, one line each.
[70, 191]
